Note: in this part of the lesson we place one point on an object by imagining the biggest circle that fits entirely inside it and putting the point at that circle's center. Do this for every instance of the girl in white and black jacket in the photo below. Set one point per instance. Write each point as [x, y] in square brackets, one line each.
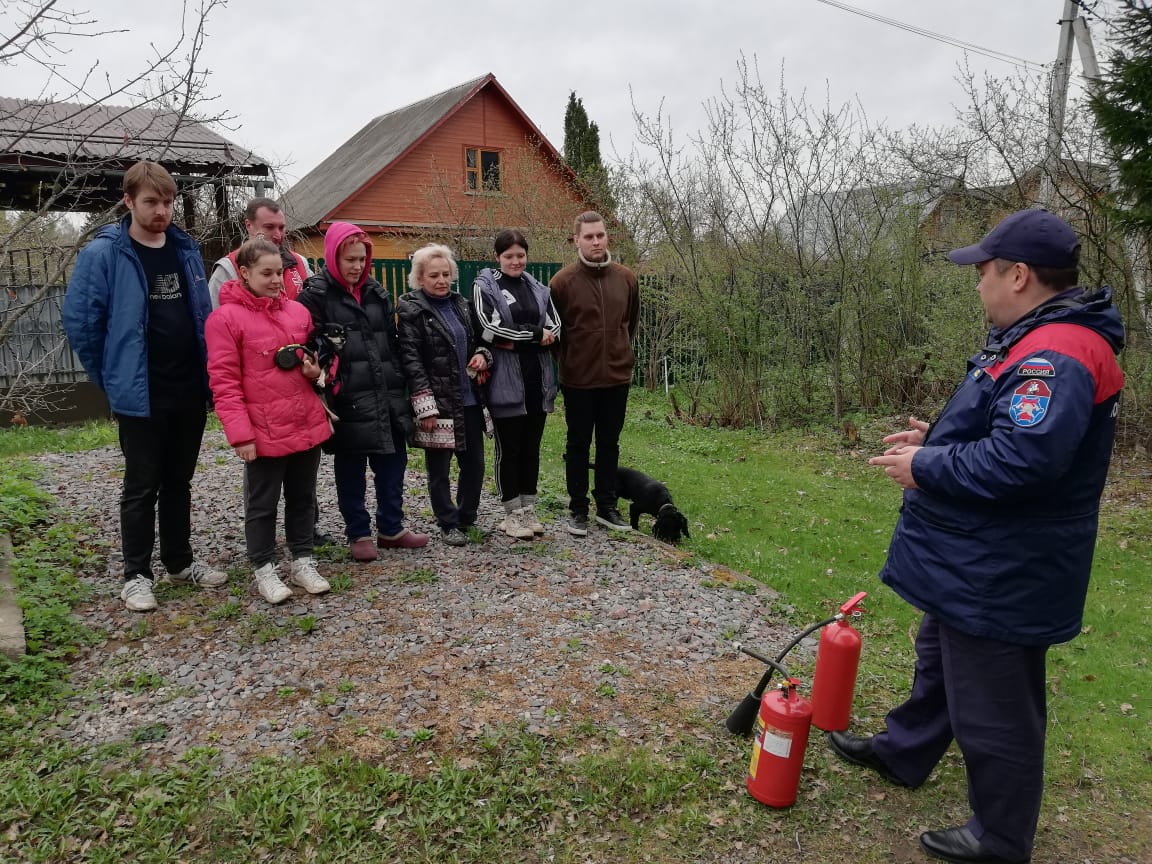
[519, 322]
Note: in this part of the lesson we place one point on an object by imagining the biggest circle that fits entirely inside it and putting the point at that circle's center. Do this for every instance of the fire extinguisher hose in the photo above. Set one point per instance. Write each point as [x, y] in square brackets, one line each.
[740, 721]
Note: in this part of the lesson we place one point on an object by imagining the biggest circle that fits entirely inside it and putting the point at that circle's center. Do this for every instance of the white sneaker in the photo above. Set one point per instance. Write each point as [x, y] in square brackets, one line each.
[269, 585]
[513, 526]
[528, 517]
[137, 594]
[199, 573]
[305, 575]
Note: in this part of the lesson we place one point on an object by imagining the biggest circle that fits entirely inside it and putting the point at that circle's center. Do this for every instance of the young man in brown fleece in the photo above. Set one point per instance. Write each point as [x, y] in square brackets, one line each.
[599, 304]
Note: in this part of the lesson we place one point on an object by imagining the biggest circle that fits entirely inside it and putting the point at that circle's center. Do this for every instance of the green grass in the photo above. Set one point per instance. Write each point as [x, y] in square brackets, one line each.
[26, 440]
[796, 514]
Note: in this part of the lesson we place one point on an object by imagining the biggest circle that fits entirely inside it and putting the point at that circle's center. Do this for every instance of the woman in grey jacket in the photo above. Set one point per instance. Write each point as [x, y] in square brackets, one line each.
[519, 322]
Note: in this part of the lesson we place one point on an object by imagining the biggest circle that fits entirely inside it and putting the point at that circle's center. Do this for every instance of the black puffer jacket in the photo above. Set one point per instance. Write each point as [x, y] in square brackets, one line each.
[371, 401]
[429, 357]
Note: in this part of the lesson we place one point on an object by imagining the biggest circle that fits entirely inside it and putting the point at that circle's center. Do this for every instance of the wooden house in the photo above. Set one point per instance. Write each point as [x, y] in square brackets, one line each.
[454, 167]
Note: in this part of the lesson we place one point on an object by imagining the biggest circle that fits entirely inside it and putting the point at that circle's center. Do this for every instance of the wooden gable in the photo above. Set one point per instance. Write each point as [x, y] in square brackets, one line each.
[422, 193]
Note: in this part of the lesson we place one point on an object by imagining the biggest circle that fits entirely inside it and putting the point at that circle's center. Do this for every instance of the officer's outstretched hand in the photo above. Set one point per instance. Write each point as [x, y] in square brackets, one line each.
[897, 463]
[914, 435]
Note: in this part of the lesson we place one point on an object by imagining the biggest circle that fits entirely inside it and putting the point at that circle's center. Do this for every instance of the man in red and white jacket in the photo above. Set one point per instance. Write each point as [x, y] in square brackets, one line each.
[263, 216]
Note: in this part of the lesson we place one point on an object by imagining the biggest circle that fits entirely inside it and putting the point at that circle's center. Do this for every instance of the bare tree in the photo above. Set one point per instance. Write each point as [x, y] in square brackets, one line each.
[776, 223]
[140, 116]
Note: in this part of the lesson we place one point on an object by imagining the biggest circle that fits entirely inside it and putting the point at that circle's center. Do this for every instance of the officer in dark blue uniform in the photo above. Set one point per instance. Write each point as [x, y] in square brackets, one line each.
[996, 535]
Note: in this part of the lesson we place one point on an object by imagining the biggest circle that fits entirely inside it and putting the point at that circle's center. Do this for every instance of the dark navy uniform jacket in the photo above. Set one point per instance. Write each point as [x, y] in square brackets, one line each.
[998, 539]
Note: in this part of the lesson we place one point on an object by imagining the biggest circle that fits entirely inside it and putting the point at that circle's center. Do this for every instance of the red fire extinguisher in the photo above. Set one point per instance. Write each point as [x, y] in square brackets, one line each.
[779, 741]
[837, 660]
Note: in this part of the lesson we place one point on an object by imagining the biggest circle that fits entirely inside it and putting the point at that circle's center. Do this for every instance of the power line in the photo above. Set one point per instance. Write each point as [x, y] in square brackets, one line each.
[990, 53]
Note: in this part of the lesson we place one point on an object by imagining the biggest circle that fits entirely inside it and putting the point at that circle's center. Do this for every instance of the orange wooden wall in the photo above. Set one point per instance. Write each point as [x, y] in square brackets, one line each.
[428, 185]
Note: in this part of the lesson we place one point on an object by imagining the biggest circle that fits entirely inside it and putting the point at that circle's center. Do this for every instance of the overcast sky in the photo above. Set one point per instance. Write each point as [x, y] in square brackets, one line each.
[302, 76]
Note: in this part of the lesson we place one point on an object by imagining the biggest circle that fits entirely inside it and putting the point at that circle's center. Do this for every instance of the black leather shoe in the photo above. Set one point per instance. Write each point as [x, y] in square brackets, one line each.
[857, 749]
[320, 538]
[958, 844]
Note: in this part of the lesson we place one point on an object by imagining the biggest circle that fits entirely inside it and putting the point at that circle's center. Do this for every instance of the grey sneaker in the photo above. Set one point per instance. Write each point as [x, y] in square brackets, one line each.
[199, 573]
[269, 585]
[578, 525]
[453, 536]
[304, 574]
[513, 525]
[528, 517]
[137, 594]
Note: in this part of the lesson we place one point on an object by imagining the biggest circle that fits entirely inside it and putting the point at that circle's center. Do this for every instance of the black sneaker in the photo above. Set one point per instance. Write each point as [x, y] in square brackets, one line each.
[578, 525]
[612, 519]
[321, 538]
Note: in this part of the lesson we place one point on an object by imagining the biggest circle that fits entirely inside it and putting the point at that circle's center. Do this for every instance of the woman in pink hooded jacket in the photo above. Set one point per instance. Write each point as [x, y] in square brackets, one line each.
[368, 394]
[271, 415]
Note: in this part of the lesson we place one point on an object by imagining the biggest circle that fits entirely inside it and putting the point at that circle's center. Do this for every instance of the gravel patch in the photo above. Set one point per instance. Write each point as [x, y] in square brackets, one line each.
[422, 648]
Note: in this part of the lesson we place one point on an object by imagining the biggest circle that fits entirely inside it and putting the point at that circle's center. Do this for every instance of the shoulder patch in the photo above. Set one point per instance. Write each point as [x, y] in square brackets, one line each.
[1036, 367]
[1030, 402]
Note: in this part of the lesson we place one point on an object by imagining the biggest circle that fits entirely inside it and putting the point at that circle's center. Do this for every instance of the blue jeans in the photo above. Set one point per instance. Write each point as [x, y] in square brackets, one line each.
[351, 485]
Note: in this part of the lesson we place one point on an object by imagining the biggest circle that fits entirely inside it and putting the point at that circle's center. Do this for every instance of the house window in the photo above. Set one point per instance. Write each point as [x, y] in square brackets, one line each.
[482, 170]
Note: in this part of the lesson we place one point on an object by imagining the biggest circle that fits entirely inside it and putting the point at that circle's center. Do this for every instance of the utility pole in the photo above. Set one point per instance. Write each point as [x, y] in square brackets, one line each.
[1073, 29]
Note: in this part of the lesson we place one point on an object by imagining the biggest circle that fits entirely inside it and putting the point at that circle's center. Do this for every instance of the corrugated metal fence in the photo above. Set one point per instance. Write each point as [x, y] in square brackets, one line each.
[35, 351]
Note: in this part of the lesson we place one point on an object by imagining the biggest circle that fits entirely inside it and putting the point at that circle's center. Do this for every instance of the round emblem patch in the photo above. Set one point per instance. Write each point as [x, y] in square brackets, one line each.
[1030, 402]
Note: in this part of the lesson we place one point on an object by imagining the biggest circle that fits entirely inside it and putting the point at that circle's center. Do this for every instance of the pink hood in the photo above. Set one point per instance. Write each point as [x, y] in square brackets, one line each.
[337, 234]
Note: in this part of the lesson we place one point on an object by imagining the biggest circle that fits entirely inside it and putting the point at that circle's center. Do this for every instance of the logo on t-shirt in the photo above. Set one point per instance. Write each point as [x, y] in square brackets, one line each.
[165, 287]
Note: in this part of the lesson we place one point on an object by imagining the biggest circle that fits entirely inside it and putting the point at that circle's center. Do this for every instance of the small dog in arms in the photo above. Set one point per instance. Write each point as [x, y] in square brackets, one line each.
[652, 497]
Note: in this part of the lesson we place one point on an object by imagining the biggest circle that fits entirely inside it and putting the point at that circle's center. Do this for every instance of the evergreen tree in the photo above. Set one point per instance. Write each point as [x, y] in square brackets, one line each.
[1122, 104]
[582, 152]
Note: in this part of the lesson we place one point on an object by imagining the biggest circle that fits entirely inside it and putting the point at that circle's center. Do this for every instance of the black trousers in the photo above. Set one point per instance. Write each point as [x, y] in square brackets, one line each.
[160, 454]
[596, 412]
[264, 477]
[462, 512]
[990, 697]
[517, 442]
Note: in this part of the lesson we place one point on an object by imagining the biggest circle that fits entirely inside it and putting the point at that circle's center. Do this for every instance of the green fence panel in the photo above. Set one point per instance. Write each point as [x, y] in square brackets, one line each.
[680, 356]
[392, 273]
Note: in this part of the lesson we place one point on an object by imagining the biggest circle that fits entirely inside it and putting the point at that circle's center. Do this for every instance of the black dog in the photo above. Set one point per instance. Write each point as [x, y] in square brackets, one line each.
[652, 497]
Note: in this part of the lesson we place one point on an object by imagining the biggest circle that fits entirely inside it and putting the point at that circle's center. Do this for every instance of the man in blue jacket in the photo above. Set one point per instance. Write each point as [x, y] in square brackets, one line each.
[134, 314]
[995, 538]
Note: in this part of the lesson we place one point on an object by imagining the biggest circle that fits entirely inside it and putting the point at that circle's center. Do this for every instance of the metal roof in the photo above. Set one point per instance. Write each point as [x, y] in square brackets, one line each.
[384, 140]
[69, 132]
[67, 156]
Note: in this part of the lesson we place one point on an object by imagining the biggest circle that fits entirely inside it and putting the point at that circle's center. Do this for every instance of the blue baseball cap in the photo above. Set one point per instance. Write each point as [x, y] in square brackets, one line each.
[1034, 237]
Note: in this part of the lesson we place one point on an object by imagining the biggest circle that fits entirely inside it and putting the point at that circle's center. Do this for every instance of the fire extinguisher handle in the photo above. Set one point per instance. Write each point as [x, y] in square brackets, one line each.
[851, 605]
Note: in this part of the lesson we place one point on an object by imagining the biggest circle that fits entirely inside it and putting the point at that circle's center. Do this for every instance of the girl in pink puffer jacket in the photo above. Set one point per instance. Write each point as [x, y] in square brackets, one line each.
[271, 415]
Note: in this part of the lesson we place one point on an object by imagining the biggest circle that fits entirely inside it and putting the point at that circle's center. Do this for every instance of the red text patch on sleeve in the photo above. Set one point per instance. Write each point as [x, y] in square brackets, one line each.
[1036, 367]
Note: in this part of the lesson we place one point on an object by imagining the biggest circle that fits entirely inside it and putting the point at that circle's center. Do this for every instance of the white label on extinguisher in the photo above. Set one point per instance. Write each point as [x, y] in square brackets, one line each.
[777, 742]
